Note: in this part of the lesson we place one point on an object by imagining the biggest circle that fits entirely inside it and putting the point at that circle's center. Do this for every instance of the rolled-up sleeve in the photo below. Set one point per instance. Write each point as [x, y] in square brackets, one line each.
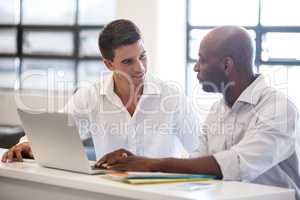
[229, 163]
[270, 141]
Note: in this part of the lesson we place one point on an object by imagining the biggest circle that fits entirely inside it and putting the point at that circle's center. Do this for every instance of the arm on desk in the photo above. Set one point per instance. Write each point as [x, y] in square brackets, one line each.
[200, 165]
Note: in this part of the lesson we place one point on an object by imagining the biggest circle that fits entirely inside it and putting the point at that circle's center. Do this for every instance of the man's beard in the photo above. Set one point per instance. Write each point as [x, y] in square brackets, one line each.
[214, 87]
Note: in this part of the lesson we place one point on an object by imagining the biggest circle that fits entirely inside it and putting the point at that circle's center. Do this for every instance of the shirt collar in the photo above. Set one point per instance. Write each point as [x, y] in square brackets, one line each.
[106, 85]
[151, 85]
[254, 91]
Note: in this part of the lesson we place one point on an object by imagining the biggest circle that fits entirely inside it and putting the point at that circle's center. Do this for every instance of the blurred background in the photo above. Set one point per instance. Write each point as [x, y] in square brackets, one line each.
[48, 48]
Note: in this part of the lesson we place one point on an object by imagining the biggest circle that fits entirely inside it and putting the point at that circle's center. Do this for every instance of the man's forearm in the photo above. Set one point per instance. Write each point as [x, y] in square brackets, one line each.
[203, 165]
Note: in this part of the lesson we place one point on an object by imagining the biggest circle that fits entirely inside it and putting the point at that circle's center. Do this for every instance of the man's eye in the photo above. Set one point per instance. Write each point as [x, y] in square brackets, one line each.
[142, 57]
[127, 62]
[201, 60]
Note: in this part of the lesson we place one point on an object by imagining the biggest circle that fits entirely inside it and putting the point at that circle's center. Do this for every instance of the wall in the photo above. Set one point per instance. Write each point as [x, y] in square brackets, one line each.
[163, 25]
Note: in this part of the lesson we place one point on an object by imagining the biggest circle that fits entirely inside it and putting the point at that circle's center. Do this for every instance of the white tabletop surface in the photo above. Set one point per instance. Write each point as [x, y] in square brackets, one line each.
[31, 171]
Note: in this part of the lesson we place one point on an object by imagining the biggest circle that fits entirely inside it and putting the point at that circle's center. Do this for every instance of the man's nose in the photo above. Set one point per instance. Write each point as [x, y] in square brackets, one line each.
[196, 67]
[139, 67]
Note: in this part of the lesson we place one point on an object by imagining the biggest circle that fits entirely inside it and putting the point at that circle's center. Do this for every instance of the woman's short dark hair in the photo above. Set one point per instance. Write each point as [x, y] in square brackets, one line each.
[116, 34]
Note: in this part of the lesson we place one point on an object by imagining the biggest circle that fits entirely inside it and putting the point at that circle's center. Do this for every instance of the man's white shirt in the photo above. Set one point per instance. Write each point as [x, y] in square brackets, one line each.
[163, 124]
[255, 140]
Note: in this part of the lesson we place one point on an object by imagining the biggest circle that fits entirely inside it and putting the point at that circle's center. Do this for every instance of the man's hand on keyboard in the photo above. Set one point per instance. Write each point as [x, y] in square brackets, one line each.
[111, 158]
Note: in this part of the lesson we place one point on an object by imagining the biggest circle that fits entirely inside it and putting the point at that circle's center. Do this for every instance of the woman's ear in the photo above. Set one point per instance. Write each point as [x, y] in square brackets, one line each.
[109, 64]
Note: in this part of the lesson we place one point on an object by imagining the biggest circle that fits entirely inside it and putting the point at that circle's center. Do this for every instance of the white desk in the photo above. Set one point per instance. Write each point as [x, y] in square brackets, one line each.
[28, 180]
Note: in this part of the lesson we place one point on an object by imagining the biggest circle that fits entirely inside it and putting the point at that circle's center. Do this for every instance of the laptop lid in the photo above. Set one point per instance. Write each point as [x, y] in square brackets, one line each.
[55, 141]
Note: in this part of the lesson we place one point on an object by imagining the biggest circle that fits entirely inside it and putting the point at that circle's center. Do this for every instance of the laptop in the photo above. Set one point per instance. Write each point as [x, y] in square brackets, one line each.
[55, 143]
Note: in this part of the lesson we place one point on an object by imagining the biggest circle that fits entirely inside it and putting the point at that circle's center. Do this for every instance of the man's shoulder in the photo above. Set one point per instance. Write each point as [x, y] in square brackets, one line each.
[274, 96]
[85, 92]
[93, 88]
[89, 94]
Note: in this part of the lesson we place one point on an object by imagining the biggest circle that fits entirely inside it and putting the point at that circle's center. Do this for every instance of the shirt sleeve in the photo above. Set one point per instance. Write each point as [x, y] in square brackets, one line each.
[205, 112]
[77, 102]
[189, 125]
[265, 145]
[80, 107]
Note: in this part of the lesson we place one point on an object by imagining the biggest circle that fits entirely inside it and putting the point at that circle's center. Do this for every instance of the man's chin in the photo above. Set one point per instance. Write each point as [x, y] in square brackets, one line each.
[205, 87]
[139, 81]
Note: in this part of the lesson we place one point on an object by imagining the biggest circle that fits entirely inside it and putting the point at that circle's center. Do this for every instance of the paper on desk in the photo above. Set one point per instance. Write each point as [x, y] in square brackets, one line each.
[194, 186]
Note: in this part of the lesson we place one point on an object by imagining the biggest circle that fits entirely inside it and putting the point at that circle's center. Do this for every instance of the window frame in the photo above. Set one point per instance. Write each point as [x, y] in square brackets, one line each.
[75, 29]
[259, 29]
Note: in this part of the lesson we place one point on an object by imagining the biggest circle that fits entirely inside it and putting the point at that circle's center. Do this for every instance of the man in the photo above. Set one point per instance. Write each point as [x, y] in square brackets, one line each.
[129, 108]
[249, 135]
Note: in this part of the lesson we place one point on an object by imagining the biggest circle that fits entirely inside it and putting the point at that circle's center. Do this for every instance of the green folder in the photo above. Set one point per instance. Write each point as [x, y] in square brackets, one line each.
[157, 177]
[157, 181]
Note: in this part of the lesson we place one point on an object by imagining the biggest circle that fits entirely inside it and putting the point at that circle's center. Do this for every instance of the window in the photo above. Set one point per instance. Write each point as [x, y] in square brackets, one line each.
[8, 41]
[280, 46]
[88, 43]
[8, 72]
[89, 72]
[42, 12]
[216, 12]
[273, 25]
[96, 11]
[9, 12]
[53, 74]
[51, 44]
[48, 43]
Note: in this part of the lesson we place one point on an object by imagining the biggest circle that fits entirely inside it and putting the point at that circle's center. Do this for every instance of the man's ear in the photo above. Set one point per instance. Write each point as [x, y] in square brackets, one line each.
[228, 65]
[109, 64]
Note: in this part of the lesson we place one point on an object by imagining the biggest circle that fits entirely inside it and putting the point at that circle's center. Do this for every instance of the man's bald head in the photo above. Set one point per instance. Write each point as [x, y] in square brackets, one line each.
[231, 41]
